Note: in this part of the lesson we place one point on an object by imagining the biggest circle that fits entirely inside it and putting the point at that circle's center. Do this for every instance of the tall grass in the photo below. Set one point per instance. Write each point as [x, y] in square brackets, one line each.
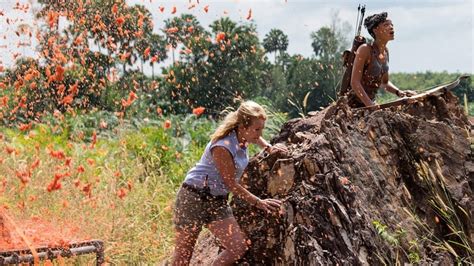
[452, 215]
[118, 178]
[119, 189]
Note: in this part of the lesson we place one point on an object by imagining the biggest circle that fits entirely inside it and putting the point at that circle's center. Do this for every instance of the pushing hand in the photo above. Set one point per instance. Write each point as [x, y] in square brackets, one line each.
[269, 205]
[373, 107]
[278, 148]
[409, 93]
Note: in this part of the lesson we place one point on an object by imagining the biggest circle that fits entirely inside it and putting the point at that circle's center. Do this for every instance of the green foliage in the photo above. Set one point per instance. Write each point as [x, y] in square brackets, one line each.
[276, 85]
[301, 81]
[470, 108]
[232, 69]
[325, 44]
[153, 146]
[159, 148]
[383, 232]
[275, 41]
[413, 255]
[395, 240]
[311, 83]
[216, 66]
[185, 30]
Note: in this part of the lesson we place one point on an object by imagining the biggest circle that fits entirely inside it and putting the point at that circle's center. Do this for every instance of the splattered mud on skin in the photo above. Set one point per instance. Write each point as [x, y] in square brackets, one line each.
[351, 174]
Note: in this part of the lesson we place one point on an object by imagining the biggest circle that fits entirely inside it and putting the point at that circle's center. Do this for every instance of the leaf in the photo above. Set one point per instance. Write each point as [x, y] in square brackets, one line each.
[450, 249]
[146, 53]
[198, 111]
[305, 100]
[249, 15]
[114, 9]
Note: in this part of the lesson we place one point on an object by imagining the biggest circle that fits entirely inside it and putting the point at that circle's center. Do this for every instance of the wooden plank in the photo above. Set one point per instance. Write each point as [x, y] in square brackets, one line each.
[438, 90]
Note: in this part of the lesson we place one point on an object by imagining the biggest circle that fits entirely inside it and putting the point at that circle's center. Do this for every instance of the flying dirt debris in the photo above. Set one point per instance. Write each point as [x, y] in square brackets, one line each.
[10, 253]
[363, 187]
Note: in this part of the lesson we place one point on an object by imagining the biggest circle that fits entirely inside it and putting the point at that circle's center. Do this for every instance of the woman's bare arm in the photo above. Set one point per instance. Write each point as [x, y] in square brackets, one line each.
[262, 143]
[225, 165]
[389, 86]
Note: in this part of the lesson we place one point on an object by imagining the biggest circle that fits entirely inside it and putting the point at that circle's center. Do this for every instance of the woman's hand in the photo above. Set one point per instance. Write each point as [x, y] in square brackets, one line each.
[268, 205]
[410, 93]
[373, 107]
[407, 93]
[276, 148]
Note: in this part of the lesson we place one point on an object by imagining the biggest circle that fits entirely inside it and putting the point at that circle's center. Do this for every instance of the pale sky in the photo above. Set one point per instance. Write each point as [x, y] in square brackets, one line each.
[430, 35]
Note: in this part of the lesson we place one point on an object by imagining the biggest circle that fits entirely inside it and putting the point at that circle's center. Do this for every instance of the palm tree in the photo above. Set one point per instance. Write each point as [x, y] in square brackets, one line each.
[275, 41]
[141, 46]
[180, 29]
[325, 44]
[171, 31]
[158, 49]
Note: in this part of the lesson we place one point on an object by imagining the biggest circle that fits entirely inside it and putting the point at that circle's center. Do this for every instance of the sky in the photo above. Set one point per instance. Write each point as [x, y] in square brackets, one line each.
[430, 35]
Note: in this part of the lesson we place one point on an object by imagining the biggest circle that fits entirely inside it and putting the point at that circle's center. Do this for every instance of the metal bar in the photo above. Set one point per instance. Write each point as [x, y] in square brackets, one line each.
[76, 249]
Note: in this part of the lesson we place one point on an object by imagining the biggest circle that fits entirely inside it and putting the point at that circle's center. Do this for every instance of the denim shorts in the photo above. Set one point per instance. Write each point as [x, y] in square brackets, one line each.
[193, 210]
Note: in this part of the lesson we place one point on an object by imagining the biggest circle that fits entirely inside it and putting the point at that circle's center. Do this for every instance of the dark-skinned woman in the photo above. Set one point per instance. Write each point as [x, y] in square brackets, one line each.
[370, 70]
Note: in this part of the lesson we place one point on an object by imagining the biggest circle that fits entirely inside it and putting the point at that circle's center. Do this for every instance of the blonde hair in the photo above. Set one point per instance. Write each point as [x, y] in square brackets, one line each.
[248, 111]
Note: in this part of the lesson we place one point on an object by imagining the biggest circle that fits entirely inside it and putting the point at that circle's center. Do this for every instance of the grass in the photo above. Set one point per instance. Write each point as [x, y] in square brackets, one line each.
[117, 182]
[120, 190]
[448, 213]
[455, 241]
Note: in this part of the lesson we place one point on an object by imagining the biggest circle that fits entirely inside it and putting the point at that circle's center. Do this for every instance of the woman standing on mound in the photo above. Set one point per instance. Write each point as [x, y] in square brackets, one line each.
[202, 198]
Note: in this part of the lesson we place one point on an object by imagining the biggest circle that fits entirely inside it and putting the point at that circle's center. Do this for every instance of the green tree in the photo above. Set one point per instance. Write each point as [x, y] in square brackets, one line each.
[181, 29]
[325, 44]
[302, 78]
[122, 31]
[328, 44]
[136, 28]
[236, 63]
[275, 85]
[157, 51]
[275, 41]
[220, 67]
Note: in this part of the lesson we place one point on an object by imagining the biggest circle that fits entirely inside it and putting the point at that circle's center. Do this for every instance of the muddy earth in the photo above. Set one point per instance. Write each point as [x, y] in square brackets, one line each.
[362, 187]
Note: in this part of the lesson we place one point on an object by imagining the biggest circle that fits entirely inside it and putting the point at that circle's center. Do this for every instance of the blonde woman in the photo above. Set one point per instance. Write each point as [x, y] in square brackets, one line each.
[202, 198]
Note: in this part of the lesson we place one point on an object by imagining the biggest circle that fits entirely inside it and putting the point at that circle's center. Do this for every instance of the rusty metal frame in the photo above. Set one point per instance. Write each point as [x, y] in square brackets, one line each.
[80, 248]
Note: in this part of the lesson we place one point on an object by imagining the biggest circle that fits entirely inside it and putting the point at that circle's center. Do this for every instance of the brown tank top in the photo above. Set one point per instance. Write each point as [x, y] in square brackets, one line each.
[371, 77]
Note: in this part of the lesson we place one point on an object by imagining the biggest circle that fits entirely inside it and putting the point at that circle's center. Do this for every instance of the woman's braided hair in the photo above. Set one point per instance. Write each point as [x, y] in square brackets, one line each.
[373, 21]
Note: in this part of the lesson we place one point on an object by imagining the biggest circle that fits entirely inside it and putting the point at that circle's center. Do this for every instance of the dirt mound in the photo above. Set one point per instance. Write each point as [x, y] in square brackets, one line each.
[361, 187]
